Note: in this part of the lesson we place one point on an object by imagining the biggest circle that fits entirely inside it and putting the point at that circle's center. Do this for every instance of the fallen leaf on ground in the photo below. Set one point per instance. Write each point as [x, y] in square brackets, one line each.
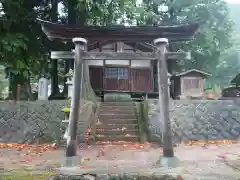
[100, 153]
[205, 142]
[179, 178]
[87, 159]
[83, 167]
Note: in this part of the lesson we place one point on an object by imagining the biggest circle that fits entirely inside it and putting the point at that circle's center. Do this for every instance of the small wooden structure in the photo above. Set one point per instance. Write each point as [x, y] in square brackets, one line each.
[188, 84]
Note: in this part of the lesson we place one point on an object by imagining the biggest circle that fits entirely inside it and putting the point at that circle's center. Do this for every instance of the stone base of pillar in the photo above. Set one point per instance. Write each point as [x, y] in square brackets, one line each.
[168, 162]
[74, 161]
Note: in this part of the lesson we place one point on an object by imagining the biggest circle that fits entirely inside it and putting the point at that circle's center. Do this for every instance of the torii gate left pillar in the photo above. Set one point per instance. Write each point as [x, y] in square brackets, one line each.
[71, 152]
[168, 159]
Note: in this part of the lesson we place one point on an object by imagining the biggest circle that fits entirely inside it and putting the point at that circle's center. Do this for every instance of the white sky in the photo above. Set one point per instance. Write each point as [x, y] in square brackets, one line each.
[233, 1]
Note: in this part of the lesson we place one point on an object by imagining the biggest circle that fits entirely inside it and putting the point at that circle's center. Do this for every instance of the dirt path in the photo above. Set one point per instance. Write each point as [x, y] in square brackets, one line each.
[212, 162]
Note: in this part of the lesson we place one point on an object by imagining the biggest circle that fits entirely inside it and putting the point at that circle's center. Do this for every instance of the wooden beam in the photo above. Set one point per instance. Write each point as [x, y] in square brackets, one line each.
[104, 55]
[62, 55]
[178, 55]
[119, 55]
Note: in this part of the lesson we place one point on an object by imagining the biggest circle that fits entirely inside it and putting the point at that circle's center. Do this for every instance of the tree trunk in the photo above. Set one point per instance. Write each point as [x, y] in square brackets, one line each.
[66, 70]
[72, 18]
[54, 79]
[54, 69]
[28, 90]
[12, 87]
[25, 88]
[69, 64]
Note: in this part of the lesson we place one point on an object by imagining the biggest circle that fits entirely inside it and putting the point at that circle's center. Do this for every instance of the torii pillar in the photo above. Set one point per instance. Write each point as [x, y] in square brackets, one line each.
[168, 159]
[71, 152]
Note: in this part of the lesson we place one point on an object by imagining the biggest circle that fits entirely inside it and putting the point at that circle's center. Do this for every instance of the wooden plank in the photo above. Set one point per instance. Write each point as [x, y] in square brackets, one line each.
[104, 55]
[141, 80]
[118, 55]
[178, 55]
[62, 55]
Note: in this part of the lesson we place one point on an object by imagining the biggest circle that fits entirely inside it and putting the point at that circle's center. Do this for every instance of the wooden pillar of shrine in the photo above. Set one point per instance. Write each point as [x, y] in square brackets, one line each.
[80, 44]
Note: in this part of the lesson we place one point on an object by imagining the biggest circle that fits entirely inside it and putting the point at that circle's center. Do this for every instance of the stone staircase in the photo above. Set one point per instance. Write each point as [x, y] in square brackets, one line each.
[117, 122]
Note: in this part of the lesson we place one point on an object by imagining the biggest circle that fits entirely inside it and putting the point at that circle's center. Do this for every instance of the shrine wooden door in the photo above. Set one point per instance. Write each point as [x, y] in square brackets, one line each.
[117, 78]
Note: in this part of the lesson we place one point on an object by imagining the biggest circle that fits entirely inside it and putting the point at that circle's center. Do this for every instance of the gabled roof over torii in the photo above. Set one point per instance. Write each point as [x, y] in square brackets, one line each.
[119, 33]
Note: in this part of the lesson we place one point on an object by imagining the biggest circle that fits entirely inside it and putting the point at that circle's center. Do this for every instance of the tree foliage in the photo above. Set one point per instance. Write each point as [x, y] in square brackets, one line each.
[23, 43]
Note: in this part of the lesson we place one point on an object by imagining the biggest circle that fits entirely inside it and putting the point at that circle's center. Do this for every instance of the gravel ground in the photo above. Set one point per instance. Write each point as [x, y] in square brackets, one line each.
[208, 162]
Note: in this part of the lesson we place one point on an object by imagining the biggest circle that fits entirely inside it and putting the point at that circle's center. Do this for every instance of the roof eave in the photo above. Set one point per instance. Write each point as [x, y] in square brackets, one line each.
[174, 33]
[194, 70]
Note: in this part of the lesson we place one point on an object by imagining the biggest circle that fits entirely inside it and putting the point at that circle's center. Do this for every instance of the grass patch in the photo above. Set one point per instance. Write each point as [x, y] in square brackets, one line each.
[23, 174]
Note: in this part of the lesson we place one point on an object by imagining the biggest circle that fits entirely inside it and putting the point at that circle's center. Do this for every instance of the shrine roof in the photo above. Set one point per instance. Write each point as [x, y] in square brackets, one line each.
[193, 71]
[121, 33]
[236, 80]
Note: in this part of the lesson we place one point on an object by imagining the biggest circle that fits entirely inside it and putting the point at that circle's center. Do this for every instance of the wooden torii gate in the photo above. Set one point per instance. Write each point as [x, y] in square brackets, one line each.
[160, 37]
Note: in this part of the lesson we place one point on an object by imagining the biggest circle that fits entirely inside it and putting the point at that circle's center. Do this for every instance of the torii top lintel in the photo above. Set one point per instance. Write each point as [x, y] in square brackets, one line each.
[119, 33]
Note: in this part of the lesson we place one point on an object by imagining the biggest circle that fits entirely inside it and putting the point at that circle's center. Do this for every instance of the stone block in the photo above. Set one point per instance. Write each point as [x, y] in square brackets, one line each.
[200, 119]
[28, 121]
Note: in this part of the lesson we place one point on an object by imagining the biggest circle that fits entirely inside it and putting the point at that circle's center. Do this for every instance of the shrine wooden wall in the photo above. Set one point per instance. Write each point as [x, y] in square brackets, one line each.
[120, 75]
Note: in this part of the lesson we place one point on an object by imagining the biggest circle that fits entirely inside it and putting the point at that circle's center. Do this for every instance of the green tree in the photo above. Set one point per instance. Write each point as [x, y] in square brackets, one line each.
[213, 38]
[22, 42]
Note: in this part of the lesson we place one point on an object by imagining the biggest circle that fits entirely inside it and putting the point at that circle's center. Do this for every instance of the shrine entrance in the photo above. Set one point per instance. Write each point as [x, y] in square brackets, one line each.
[119, 77]
[116, 78]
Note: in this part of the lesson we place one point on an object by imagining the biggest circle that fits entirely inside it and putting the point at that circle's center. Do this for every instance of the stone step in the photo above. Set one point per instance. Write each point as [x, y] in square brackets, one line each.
[117, 110]
[118, 104]
[116, 116]
[132, 138]
[117, 113]
[108, 121]
[106, 106]
[117, 131]
[115, 126]
[115, 142]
